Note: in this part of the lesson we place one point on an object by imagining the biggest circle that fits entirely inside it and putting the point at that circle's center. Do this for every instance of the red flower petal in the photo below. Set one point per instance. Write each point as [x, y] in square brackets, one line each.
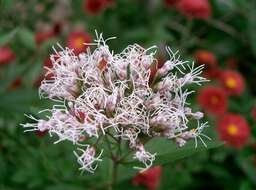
[6, 55]
[77, 40]
[233, 82]
[94, 6]
[205, 57]
[150, 178]
[195, 8]
[213, 100]
[234, 130]
[41, 133]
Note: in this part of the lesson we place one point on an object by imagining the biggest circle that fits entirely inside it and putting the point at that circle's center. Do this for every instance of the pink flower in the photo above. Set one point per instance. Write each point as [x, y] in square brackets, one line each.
[98, 91]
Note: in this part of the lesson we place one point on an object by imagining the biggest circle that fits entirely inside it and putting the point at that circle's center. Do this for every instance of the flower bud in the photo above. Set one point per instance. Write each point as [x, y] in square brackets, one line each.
[180, 141]
[165, 68]
[43, 125]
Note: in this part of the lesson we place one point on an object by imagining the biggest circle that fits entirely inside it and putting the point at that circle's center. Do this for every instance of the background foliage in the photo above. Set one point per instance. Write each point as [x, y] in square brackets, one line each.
[30, 161]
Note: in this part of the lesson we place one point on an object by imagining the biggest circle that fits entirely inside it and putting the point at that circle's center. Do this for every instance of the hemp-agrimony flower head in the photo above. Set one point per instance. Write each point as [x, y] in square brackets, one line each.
[101, 95]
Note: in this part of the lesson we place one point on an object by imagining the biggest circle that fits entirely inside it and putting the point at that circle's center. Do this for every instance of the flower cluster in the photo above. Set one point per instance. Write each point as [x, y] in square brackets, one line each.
[99, 93]
[234, 129]
[214, 99]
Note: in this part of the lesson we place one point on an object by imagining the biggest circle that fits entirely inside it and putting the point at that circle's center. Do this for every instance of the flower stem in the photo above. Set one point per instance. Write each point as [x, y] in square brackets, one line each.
[115, 172]
[115, 163]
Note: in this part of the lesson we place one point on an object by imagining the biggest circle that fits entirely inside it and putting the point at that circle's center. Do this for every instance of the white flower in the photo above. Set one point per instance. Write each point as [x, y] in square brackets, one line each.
[88, 158]
[145, 157]
[41, 125]
[65, 81]
[100, 93]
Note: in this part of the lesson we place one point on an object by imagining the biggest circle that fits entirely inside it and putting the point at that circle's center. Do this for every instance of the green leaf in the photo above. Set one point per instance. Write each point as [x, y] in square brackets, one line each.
[6, 4]
[245, 185]
[6, 38]
[11, 72]
[105, 170]
[64, 187]
[20, 102]
[128, 171]
[48, 44]
[27, 38]
[248, 168]
[167, 151]
[252, 26]
[33, 72]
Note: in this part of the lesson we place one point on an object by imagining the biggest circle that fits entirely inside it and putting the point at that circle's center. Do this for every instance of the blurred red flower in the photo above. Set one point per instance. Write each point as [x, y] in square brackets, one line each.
[149, 178]
[234, 130]
[232, 63]
[154, 67]
[77, 40]
[41, 133]
[205, 57]
[213, 100]
[94, 6]
[48, 64]
[102, 64]
[200, 9]
[15, 84]
[153, 70]
[108, 2]
[42, 36]
[253, 113]
[232, 81]
[170, 3]
[212, 73]
[253, 145]
[81, 116]
[6, 55]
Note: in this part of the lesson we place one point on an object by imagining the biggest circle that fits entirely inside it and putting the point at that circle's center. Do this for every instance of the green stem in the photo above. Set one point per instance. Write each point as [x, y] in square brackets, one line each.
[115, 157]
[219, 25]
[115, 172]
[185, 35]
